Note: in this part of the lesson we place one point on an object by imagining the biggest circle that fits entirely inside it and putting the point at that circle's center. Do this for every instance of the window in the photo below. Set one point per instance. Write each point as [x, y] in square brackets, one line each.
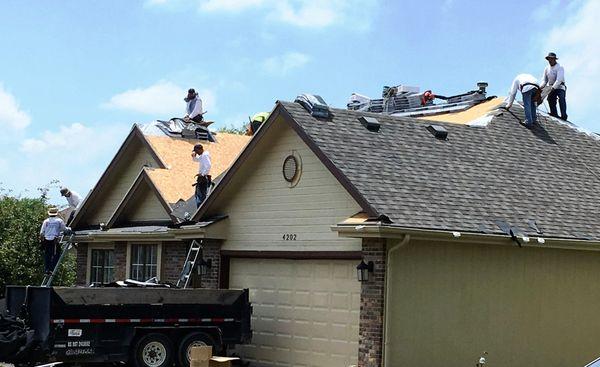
[102, 266]
[144, 262]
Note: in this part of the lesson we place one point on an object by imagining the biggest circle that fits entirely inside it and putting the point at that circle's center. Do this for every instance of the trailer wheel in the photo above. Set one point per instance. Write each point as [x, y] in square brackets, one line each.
[153, 350]
[194, 340]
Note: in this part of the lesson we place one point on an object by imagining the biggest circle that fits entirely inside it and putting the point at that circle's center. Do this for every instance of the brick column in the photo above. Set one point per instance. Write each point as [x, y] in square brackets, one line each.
[173, 256]
[81, 264]
[212, 251]
[372, 292]
[120, 260]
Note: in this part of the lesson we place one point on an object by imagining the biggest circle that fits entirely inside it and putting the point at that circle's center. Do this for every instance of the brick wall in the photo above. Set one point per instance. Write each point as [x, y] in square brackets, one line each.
[212, 251]
[120, 260]
[81, 264]
[173, 256]
[371, 305]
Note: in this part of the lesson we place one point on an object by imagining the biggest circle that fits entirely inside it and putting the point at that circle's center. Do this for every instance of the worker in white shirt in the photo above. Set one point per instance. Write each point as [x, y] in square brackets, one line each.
[73, 199]
[554, 77]
[528, 86]
[194, 107]
[49, 235]
[203, 178]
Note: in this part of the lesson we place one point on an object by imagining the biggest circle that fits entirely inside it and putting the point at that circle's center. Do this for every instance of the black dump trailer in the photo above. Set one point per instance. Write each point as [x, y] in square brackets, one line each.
[151, 327]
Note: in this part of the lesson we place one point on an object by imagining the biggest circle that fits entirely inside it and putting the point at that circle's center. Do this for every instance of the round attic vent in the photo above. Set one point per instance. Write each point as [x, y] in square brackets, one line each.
[290, 168]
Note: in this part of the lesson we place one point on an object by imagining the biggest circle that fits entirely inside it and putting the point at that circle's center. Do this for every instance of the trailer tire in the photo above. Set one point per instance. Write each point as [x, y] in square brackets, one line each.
[194, 339]
[153, 350]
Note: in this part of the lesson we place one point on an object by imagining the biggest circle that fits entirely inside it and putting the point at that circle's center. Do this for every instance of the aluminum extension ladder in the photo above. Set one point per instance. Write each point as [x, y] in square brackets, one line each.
[66, 242]
[194, 253]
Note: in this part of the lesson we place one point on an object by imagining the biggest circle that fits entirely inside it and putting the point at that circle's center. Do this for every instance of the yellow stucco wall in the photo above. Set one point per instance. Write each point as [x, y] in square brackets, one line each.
[525, 306]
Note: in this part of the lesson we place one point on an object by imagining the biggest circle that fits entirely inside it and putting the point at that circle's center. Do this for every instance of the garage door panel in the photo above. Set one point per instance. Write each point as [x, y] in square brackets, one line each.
[305, 311]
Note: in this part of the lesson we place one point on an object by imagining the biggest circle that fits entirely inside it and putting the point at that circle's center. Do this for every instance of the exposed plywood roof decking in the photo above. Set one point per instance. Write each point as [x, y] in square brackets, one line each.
[175, 182]
[466, 116]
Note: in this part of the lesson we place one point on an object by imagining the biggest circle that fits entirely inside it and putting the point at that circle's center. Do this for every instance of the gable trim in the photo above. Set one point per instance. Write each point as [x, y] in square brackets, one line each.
[135, 133]
[141, 178]
[278, 111]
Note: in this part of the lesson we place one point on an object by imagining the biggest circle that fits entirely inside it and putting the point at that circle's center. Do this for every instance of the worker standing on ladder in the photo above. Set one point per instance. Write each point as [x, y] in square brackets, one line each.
[203, 178]
[554, 76]
[530, 90]
[49, 235]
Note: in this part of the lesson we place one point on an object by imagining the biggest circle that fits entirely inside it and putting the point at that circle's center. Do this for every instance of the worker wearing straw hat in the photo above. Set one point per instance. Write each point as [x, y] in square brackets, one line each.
[49, 234]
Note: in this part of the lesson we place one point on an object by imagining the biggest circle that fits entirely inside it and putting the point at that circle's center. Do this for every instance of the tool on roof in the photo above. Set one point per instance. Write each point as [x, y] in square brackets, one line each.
[404, 100]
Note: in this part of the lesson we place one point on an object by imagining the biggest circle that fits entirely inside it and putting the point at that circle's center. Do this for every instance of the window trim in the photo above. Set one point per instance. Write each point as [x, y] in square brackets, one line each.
[158, 257]
[88, 266]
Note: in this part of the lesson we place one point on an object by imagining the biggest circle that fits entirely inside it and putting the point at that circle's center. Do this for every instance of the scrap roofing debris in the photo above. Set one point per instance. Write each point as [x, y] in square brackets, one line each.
[403, 100]
[549, 175]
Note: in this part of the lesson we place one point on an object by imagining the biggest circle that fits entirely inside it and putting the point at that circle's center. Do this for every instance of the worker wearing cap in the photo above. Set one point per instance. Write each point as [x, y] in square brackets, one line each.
[194, 107]
[203, 178]
[73, 199]
[527, 84]
[49, 234]
[554, 76]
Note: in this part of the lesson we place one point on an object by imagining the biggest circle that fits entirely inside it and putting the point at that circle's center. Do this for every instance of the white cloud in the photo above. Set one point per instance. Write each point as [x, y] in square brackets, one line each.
[163, 99]
[11, 115]
[299, 13]
[545, 11]
[574, 42]
[281, 65]
[229, 5]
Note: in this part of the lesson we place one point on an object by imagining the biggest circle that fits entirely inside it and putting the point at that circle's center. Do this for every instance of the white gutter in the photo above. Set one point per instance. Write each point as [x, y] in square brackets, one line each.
[386, 305]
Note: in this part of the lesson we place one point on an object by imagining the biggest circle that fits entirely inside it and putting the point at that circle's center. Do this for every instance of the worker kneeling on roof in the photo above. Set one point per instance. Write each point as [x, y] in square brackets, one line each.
[532, 96]
[194, 107]
[203, 178]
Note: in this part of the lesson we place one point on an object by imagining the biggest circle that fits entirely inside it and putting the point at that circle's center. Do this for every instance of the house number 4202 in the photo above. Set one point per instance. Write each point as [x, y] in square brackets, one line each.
[289, 237]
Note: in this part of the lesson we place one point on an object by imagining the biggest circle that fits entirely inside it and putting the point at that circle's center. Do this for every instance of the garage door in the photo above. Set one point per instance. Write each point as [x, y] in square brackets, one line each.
[305, 311]
[524, 306]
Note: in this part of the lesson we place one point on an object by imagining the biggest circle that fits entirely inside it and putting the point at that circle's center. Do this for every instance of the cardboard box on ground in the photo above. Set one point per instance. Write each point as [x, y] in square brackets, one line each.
[202, 357]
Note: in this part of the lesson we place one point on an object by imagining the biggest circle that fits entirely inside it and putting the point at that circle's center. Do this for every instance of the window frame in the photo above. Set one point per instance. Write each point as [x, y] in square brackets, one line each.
[158, 257]
[97, 246]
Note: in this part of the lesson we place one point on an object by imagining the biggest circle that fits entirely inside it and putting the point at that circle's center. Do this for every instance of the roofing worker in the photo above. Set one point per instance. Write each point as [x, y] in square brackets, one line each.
[73, 199]
[554, 76]
[49, 234]
[194, 107]
[530, 90]
[203, 178]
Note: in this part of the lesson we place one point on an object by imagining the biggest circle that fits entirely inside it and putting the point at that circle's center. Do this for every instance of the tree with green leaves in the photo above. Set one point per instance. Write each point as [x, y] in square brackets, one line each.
[21, 255]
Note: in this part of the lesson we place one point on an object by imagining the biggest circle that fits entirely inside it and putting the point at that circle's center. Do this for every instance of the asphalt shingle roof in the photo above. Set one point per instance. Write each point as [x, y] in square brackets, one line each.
[477, 177]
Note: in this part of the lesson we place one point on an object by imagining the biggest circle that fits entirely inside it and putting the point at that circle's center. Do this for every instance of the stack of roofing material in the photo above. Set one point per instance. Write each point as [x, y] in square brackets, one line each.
[408, 101]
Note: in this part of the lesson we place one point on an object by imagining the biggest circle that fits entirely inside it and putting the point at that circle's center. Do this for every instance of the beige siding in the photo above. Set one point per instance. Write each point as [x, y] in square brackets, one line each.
[525, 306]
[305, 312]
[145, 206]
[262, 206]
[120, 180]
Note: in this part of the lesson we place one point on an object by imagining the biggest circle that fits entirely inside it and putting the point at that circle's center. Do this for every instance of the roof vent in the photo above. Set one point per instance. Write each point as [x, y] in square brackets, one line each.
[438, 131]
[371, 123]
[314, 104]
[482, 86]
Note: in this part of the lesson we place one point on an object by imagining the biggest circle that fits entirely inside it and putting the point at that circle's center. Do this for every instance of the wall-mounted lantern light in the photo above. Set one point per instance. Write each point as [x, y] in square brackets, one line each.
[204, 266]
[363, 269]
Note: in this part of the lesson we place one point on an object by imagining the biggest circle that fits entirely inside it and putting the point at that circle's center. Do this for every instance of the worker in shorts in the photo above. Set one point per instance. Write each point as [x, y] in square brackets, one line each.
[50, 232]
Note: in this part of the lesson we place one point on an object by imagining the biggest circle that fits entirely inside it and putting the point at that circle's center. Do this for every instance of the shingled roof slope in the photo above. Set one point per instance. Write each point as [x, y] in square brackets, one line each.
[546, 178]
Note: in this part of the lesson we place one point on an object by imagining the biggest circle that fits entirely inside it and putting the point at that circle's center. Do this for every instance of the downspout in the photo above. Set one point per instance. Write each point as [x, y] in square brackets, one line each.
[386, 306]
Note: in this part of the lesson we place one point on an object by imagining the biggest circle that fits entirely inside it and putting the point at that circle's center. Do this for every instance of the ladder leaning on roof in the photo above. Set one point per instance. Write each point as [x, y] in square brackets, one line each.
[194, 253]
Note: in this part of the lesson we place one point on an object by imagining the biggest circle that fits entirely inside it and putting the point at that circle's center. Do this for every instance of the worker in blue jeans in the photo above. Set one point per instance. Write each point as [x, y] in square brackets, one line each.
[554, 76]
[530, 90]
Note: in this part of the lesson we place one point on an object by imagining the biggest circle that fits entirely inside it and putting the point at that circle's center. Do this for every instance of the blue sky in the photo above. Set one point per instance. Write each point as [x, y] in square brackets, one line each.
[74, 76]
